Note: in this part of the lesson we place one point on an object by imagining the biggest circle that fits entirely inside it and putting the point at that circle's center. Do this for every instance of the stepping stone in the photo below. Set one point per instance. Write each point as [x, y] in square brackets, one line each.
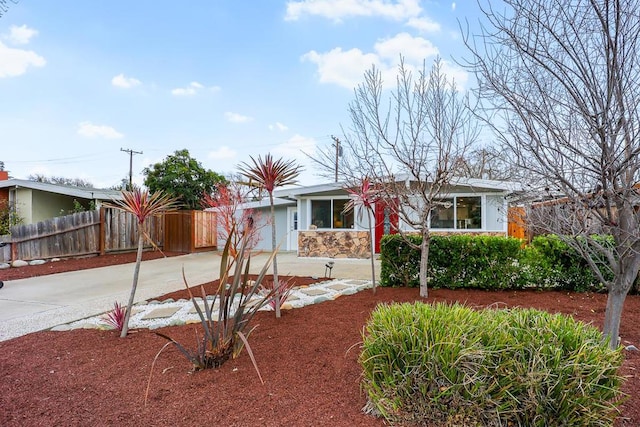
[355, 282]
[338, 287]
[161, 313]
[313, 292]
[292, 298]
[193, 310]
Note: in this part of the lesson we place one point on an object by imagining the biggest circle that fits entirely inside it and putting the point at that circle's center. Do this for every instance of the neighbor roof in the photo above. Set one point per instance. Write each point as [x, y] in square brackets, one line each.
[67, 190]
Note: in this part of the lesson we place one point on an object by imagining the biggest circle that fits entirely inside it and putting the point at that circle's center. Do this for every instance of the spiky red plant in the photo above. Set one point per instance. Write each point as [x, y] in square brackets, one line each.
[267, 174]
[143, 205]
[364, 196]
[115, 318]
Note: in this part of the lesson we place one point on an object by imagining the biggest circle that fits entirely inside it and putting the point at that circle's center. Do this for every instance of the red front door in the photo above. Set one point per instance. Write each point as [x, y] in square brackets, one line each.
[386, 221]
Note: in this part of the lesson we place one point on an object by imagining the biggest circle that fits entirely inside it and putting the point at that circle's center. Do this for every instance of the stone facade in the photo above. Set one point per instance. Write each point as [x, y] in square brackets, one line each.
[334, 244]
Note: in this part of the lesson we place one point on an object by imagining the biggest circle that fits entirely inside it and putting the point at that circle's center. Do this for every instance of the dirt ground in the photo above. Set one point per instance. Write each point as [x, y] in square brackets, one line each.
[308, 360]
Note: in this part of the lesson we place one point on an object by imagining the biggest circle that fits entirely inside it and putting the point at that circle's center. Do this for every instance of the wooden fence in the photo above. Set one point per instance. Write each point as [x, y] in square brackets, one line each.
[86, 233]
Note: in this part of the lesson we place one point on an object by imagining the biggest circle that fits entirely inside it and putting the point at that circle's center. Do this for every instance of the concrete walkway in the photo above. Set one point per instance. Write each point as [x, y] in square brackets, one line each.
[39, 303]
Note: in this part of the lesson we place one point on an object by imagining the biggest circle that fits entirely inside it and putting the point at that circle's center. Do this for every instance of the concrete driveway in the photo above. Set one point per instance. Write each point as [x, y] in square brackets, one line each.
[39, 303]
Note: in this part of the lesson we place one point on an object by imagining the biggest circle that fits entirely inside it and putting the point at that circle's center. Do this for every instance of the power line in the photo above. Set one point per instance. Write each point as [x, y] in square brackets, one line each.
[131, 153]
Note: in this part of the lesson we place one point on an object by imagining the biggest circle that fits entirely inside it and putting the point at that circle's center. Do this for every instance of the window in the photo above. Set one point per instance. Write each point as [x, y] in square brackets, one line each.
[460, 213]
[329, 214]
[468, 213]
[442, 215]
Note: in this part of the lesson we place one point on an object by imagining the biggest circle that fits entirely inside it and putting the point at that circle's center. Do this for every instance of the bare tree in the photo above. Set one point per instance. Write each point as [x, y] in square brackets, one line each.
[487, 162]
[60, 180]
[563, 79]
[407, 144]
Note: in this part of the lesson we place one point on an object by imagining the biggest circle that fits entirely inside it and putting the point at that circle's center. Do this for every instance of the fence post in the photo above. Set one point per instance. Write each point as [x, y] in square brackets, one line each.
[102, 228]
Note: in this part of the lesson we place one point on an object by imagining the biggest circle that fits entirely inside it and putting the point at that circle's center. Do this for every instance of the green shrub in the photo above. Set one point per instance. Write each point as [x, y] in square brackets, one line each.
[399, 262]
[564, 266]
[462, 261]
[451, 365]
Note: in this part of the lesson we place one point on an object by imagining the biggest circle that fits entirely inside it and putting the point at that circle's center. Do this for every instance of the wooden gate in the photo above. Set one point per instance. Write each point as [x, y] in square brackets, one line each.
[190, 231]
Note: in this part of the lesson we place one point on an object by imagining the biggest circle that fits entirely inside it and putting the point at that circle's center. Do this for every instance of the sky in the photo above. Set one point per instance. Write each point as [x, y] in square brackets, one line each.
[82, 80]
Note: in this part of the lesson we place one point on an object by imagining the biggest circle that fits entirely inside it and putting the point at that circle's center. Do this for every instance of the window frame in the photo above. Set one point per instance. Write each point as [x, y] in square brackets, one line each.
[454, 198]
[331, 200]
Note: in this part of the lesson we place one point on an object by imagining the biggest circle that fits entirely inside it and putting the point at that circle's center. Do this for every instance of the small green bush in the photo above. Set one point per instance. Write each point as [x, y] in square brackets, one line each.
[451, 365]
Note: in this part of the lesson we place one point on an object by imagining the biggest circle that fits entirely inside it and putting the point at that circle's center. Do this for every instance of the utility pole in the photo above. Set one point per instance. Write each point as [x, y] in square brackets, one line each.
[338, 152]
[131, 153]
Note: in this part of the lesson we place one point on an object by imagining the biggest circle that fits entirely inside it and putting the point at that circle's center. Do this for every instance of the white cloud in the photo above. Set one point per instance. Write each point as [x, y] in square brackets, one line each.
[89, 130]
[223, 153]
[453, 6]
[278, 126]
[192, 89]
[338, 9]
[15, 62]
[346, 68]
[237, 118]
[124, 82]
[414, 49]
[20, 35]
[424, 25]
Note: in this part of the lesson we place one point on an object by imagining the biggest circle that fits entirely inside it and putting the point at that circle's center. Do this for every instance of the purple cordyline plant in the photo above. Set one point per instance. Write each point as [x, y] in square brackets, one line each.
[143, 206]
[364, 196]
[267, 174]
[115, 318]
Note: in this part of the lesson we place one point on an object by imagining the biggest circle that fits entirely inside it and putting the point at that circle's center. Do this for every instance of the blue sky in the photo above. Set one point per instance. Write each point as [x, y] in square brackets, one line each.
[225, 79]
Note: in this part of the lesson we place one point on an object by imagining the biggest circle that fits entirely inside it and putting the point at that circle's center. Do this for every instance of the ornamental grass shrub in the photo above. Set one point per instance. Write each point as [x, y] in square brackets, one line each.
[449, 365]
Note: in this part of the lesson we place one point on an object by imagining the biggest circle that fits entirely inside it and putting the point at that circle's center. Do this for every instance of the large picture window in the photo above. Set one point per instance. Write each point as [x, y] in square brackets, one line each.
[330, 214]
[459, 213]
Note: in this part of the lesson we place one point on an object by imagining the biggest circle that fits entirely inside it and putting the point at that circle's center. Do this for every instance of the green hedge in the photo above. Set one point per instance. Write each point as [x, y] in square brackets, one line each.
[484, 262]
[461, 261]
[451, 365]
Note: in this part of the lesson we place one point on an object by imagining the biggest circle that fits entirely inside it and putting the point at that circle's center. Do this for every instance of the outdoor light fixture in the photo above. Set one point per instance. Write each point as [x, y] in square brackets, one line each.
[328, 266]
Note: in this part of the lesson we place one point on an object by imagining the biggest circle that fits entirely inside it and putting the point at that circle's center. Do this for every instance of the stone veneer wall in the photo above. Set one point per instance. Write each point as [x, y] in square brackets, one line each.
[334, 244]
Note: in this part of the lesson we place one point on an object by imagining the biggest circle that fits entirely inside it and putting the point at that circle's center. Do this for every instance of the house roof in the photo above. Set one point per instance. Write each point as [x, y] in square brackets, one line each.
[472, 183]
[66, 190]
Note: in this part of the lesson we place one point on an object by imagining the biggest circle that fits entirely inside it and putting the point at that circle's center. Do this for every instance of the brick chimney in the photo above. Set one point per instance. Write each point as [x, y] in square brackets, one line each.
[4, 175]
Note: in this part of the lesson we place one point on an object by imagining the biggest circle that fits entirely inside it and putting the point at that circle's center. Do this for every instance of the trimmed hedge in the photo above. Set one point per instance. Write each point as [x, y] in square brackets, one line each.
[487, 262]
[461, 261]
[451, 365]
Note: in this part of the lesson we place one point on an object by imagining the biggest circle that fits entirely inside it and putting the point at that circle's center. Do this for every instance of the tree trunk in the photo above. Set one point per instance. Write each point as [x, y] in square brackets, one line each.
[424, 262]
[136, 271]
[276, 282]
[612, 316]
[371, 242]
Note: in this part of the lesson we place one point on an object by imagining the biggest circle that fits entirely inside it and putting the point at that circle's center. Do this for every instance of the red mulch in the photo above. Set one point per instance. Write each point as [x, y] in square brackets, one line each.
[308, 360]
[74, 264]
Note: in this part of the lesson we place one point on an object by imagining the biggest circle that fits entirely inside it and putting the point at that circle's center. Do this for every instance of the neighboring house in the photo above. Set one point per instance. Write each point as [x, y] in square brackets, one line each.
[39, 201]
[311, 221]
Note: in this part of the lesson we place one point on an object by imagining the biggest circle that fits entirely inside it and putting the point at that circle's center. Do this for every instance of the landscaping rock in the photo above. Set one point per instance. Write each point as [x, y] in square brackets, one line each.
[37, 262]
[19, 263]
[631, 348]
[4, 266]
[55, 259]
